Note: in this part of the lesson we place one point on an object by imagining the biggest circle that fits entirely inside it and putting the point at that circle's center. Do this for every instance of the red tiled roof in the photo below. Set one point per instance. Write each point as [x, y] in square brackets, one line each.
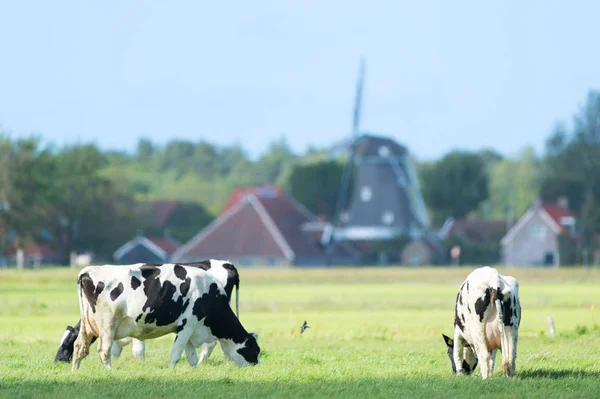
[164, 243]
[478, 230]
[239, 234]
[259, 225]
[239, 193]
[38, 249]
[557, 212]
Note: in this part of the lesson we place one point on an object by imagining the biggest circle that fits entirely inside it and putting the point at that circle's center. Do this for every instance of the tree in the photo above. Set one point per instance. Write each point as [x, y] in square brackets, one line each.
[590, 220]
[89, 212]
[454, 185]
[316, 185]
[272, 163]
[25, 187]
[514, 183]
[572, 162]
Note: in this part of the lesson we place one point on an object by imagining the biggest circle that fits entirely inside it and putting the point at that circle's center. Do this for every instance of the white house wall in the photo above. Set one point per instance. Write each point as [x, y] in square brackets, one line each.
[531, 243]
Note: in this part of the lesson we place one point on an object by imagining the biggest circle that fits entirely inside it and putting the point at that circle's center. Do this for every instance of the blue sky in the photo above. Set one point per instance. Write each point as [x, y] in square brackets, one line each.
[440, 74]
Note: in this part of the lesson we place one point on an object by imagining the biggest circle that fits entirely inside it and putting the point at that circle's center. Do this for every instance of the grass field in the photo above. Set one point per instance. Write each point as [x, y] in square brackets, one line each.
[374, 333]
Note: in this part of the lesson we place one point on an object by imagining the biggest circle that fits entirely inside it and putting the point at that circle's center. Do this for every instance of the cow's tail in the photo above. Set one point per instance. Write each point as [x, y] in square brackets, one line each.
[237, 299]
[84, 282]
[506, 334]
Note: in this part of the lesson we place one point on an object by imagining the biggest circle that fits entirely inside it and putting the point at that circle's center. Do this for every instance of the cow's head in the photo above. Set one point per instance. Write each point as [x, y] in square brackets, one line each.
[245, 354]
[65, 350]
[469, 359]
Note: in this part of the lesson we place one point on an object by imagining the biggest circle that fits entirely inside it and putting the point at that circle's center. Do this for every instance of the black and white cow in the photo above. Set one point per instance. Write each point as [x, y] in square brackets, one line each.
[487, 317]
[149, 301]
[224, 271]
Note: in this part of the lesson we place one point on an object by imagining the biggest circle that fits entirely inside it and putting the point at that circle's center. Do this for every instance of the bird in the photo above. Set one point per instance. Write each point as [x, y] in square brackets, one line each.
[303, 327]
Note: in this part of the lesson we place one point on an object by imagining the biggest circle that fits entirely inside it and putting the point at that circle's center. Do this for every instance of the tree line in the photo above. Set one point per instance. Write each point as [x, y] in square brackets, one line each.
[81, 198]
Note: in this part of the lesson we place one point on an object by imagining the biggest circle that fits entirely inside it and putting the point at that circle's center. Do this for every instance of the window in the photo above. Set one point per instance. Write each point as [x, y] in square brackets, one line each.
[538, 231]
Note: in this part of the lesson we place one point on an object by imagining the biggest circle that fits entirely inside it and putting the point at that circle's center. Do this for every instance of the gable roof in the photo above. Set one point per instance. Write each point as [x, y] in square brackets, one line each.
[241, 192]
[551, 214]
[159, 212]
[477, 230]
[257, 225]
[160, 246]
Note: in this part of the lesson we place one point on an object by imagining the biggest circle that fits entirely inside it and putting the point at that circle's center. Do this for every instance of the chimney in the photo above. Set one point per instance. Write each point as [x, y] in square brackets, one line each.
[563, 202]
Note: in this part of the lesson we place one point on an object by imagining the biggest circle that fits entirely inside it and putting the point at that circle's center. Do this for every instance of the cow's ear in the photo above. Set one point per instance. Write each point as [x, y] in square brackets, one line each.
[254, 334]
[448, 340]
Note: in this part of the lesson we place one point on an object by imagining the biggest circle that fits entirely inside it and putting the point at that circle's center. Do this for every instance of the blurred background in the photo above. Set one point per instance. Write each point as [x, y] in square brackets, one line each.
[300, 133]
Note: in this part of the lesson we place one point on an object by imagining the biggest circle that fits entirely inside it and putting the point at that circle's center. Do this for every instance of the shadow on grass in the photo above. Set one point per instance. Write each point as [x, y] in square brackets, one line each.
[557, 374]
[231, 387]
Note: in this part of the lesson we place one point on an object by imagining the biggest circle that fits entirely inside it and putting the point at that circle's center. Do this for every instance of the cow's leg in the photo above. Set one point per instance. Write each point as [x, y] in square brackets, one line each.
[139, 349]
[509, 350]
[493, 360]
[459, 345]
[117, 346]
[483, 356]
[108, 328]
[206, 349]
[190, 354]
[181, 340]
[81, 347]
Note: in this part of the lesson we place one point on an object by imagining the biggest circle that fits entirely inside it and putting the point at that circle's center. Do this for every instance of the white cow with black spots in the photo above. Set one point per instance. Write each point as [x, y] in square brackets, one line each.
[227, 275]
[149, 301]
[487, 318]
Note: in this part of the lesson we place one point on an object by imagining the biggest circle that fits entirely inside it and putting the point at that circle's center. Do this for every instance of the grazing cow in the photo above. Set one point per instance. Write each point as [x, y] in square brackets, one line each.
[227, 275]
[487, 318]
[225, 272]
[149, 301]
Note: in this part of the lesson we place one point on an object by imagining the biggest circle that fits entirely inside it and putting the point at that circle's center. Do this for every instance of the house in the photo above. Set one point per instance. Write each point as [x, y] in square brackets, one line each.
[423, 251]
[474, 230]
[146, 249]
[477, 239]
[533, 240]
[263, 226]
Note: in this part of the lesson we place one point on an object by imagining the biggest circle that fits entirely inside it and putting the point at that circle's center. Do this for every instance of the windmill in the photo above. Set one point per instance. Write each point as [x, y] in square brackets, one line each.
[379, 196]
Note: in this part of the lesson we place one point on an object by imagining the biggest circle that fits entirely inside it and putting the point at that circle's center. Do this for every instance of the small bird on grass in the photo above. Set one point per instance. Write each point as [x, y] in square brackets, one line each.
[303, 327]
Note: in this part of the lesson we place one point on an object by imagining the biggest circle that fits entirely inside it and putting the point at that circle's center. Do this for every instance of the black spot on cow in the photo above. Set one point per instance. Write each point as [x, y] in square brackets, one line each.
[163, 310]
[460, 298]
[481, 305]
[135, 282]
[507, 313]
[457, 322]
[233, 277]
[180, 272]
[214, 308]
[150, 271]
[469, 308]
[91, 292]
[204, 264]
[184, 288]
[467, 287]
[118, 290]
[139, 317]
[180, 326]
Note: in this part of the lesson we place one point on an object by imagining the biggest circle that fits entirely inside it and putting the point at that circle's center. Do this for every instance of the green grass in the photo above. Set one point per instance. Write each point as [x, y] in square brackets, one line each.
[375, 333]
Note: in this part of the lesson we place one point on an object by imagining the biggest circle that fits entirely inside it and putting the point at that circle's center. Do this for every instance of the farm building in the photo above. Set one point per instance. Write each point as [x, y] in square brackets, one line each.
[263, 226]
[146, 249]
[533, 240]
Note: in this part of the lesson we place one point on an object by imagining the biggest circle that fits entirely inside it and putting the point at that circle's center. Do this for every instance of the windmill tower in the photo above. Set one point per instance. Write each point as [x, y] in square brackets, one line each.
[379, 197]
